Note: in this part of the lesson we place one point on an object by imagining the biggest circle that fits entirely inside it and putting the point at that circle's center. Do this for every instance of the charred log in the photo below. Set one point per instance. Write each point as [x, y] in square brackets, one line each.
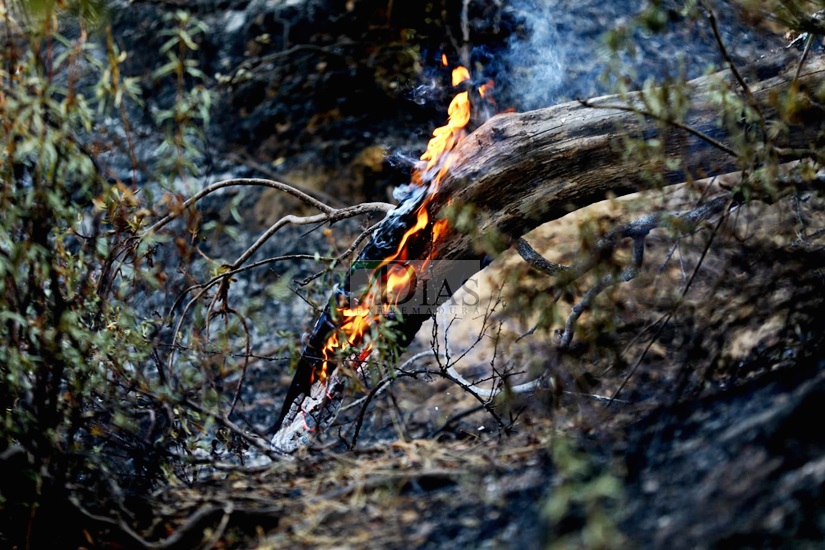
[521, 170]
[382, 244]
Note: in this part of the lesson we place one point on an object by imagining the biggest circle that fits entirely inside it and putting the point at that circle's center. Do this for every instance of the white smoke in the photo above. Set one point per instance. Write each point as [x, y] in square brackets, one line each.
[536, 56]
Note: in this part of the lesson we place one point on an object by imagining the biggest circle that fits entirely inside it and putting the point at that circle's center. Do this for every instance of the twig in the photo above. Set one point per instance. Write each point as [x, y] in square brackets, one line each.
[344, 255]
[666, 318]
[367, 400]
[402, 368]
[228, 508]
[609, 280]
[245, 364]
[231, 426]
[808, 43]
[445, 368]
[732, 66]
[604, 398]
[636, 230]
[227, 274]
[333, 213]
[536, 260]
[196, 521]
[455, 418]
[329, 214]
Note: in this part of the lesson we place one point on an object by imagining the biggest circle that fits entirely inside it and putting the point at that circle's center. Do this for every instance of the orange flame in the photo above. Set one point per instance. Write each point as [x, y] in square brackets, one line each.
[399, 279]
[447, 137]
[484, 89]
[460, 74]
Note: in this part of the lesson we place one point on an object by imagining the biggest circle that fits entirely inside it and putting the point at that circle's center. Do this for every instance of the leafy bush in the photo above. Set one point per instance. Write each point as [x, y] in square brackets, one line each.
[86, 407]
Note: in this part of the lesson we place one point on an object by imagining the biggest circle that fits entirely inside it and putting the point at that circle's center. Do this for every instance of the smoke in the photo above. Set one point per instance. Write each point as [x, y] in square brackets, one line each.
[536, 57]
[426, 93]
[557, 49]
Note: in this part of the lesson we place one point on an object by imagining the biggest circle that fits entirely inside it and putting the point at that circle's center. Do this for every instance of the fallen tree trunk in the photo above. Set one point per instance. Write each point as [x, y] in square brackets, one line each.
[521, 170]
[518, 171]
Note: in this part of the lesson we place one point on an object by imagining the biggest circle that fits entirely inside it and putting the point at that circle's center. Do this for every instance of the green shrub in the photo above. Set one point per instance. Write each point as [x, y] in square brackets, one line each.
[85, 406]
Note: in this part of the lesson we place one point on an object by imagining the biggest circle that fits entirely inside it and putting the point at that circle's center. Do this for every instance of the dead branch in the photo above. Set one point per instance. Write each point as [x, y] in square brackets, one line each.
[223, 420]
[193, 527]
[665, 319]
[332, 214]
[272, 174]
[637, 231]
[733, 68]
[521, 170]
[328, 214]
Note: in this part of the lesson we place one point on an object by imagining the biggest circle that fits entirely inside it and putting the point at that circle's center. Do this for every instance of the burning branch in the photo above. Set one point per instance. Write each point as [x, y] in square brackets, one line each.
[518, 171]
[350, 324]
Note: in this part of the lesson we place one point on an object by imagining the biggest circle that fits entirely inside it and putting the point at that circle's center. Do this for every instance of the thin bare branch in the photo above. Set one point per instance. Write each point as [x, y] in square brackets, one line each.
[330, 216]
[663, 321]
[536, 260]
[637, 231]
[751, 100]
[253, 440]
[809, 40]
[333, 214]
[272, 174]
[196, 521]
[345, 254]
[608, 280]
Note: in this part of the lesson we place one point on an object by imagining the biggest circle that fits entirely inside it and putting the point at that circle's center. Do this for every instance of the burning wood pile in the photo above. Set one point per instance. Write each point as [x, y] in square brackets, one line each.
[386, 274]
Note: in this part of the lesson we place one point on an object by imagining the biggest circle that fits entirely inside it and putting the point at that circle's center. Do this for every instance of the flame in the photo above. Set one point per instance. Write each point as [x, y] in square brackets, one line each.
[387, 288]
[440, 228]
[422, 219]
[485, 89]
[446, 137]
[460, 74]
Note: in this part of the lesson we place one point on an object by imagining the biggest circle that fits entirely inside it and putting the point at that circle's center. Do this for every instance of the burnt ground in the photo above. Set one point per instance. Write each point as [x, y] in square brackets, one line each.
[713, 440]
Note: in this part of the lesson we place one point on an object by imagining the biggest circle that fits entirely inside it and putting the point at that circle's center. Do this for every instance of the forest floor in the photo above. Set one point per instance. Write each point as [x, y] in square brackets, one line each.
[708, 443]
[683, 415]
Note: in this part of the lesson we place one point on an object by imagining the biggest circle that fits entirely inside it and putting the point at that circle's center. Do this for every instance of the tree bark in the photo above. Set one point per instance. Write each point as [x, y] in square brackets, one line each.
[518, 171]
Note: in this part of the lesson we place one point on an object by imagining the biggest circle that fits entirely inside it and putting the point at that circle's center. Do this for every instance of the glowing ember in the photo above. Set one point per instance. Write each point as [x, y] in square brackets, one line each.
[386, 288]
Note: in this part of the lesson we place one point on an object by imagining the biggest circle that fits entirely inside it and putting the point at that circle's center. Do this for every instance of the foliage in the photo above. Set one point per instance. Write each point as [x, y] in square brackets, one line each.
[184, 119]
[85, 406]
[583, 506]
